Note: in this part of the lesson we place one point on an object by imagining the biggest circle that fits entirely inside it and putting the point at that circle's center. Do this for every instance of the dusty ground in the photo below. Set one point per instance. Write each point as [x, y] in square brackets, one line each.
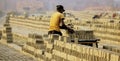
[10, 54]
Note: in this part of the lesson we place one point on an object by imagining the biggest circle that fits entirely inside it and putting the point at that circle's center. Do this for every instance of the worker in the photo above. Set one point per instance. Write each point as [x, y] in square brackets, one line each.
[57, 22]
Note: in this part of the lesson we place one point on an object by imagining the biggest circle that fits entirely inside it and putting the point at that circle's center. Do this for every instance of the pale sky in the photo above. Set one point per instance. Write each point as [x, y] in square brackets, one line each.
[69, 4]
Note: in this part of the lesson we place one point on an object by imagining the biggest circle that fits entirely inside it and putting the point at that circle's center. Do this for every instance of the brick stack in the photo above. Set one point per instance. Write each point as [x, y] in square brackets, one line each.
[80, 34]
[30, 23]
[49, 42]
[83, 34]
[35, 46]
[112, 48]
[7, 31]
[58, 54]
[19, 39]
[74, 52]
[108, 31]
[8, 34]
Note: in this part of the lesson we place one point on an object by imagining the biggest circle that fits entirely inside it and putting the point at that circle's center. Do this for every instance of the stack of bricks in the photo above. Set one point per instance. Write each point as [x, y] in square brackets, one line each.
[35, 46]
[8, 34]
[108, 27]
[85, 37]
[19, 39]
[30, 23]
[108, 31]
[7, 31]
[83, 34]
[28, 47]
[59, 53]
[112, 48]
[49, 42]
[48, 51]
[73, 52]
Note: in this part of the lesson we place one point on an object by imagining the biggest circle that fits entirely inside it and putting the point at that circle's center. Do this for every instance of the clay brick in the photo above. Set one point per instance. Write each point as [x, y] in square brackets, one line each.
[48, 55]
[114, 57]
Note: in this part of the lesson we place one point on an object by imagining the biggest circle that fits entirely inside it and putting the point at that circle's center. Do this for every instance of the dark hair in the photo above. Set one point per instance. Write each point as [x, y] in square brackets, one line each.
[59, 7]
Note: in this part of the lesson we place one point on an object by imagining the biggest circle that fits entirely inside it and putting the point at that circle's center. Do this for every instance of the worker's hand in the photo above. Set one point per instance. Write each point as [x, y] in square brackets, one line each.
[71, 31]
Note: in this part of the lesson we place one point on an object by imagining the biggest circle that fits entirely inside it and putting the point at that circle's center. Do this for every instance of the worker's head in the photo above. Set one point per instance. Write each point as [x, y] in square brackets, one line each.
[60, 8]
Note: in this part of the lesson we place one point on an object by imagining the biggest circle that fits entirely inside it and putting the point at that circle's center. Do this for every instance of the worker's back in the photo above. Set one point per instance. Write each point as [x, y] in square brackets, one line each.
[55, 21]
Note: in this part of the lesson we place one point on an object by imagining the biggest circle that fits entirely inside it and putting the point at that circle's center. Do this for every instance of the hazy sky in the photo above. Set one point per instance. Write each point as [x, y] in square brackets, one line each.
[50, 4]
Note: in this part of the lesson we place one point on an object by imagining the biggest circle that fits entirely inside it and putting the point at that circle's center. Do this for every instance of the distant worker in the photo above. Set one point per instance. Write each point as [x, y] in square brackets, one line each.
[114, 15]
[57, 23]
[96, 17]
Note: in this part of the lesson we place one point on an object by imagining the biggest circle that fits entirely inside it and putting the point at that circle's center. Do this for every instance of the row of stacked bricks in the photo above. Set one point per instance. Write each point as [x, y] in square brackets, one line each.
[58, 54]
[49, 42]
[112, 48]
[7, 31]
[83, 34]
[19, 39]
[43, 25]
[35, 46]
[103, 27]
[108, 31]
[83, 22]
[107, 23]
[74, 52]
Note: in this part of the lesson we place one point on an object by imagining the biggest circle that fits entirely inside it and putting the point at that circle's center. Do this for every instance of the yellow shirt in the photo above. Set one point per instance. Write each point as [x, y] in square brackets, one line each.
[55, 21]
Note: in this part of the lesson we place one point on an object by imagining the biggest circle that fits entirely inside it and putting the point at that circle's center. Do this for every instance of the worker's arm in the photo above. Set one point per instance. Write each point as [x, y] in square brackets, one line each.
[65, 27]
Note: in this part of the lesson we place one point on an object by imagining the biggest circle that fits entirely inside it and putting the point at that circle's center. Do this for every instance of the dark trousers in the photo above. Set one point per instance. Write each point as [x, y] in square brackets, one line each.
[54, 32]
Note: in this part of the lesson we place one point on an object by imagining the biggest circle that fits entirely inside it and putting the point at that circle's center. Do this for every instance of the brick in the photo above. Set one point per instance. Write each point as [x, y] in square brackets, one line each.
[63, 55]
[49, 46]
[71, 58]
[48, 55]
[68, 46]
[54, 36]
[114, 57]
[61, 38]
[39, 52]
[67, 39]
